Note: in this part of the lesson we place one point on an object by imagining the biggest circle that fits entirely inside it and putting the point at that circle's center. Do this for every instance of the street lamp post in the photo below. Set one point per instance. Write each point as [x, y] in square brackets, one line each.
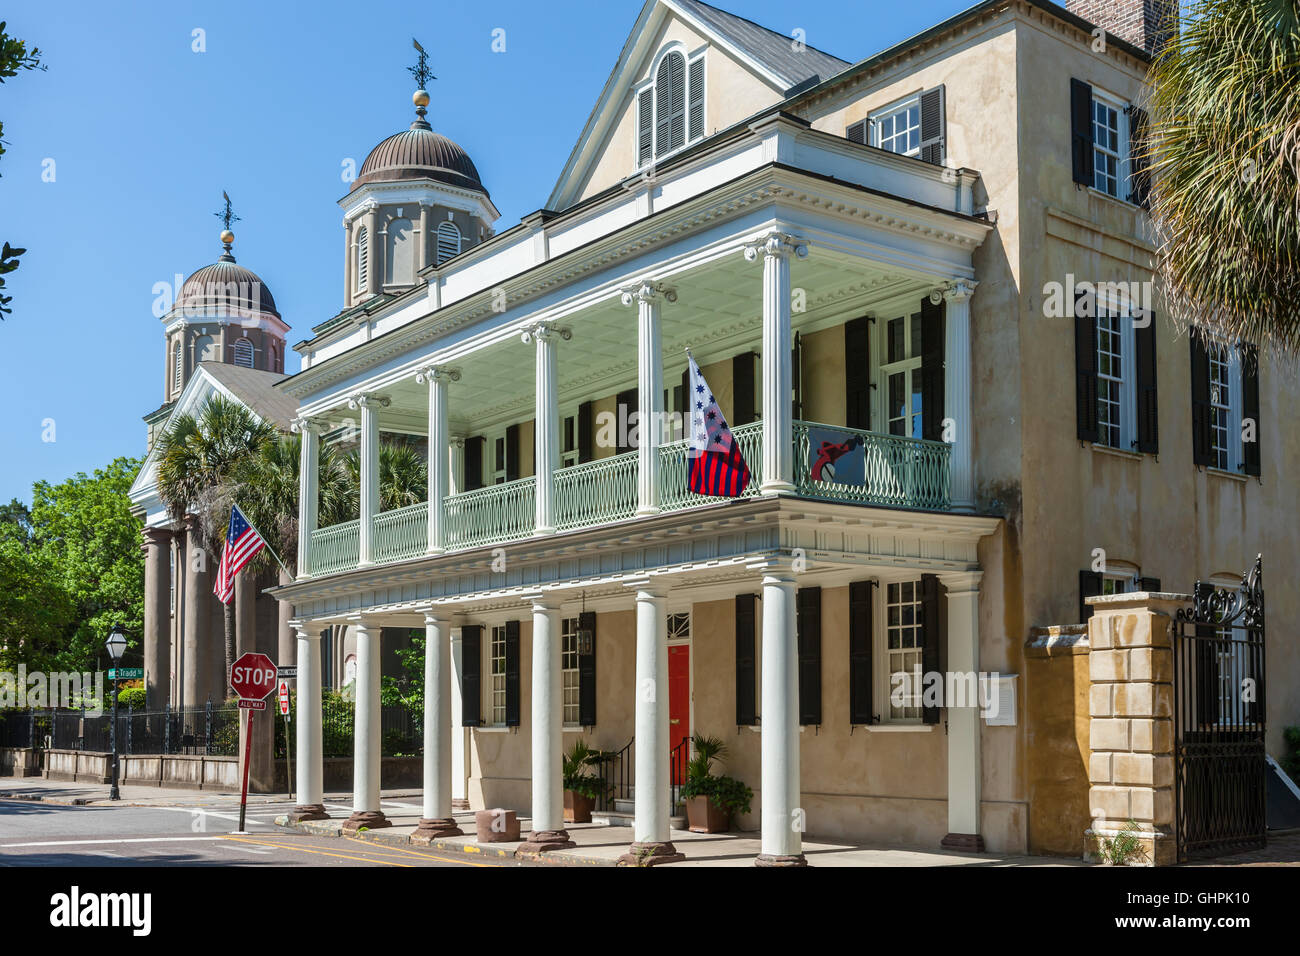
[116, 646]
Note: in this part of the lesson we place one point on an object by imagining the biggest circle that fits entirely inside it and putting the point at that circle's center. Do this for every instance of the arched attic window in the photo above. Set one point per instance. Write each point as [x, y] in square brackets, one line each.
[670, 104]
[178, 367]
[363, 259]
[244, 353]
[448, 241]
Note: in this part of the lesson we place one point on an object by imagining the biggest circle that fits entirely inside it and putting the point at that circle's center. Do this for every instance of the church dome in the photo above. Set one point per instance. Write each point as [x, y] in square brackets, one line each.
[420, 153]
[225, 288]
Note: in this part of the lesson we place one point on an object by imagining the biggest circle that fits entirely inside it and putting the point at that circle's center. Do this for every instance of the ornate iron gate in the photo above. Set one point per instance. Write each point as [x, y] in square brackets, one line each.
[1219, 763]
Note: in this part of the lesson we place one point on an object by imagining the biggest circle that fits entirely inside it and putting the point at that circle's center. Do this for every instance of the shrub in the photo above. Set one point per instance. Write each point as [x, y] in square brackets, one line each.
[131, 697]
[726, 793]
[576, 778]
[1123, 847]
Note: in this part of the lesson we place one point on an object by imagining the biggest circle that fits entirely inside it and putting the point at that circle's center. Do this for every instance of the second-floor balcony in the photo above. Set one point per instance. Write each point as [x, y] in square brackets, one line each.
[891, 471]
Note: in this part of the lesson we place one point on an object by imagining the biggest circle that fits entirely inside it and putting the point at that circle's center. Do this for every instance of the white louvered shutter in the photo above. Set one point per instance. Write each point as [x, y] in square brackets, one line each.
[363, 259]
[670, 104]
[448, 241]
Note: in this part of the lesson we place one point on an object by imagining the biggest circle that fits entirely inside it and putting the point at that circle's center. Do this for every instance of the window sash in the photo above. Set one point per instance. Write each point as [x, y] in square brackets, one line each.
[570, 681]
[897, 128]
[1109, 145]
[900, 646]
[497, 677]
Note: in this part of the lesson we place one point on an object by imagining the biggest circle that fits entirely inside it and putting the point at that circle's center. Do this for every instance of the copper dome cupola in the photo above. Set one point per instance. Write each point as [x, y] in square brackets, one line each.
[420, 153]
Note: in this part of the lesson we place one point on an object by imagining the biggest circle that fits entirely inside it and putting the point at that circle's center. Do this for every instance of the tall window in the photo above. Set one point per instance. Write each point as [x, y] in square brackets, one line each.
[448, 241]
[244, 353]
[1107, 145]
[497, 676]
[903, 647]
[670, 108]
[569, 670]
[569, 445]
[363, 259]
[178, 367]
[1221, 406]
[399, 259]
[902, 374]
[1110, 378]
[499, 461]
[899, 128]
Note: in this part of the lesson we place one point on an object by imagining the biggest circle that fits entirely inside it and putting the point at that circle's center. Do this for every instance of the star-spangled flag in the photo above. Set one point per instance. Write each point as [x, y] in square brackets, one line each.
[242, 542]
[717, 467]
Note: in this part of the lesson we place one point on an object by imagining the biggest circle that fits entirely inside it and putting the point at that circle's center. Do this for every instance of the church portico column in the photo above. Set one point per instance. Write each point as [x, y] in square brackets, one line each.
[776, 248]
[648, 297]
[964, 751]
[547, 718]
[436, 820]
[365, 736]
[651, 833]
[546, 427]
[157, 616]
[781, 814]
[197, 617]
[311, 775]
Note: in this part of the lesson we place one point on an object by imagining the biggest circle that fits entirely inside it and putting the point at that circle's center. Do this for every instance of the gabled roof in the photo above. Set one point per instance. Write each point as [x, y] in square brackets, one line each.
[768, 55]
[774, 50]
[256, 390]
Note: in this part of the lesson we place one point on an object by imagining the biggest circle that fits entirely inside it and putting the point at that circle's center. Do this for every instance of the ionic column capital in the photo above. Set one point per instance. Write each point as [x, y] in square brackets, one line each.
[958, 290]
[776, 244]
[368, 400]
[304, 424]
[648, 291]
[545, 332]
[437, 373]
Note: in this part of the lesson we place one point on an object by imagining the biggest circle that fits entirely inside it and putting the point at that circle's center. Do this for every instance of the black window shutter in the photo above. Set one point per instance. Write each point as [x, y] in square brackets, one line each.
[859, 132]
[1148, 416]
[1139, 181]
[1202, 453]
[742, 389]
[796, 378]
[586, 432]
[696, 118]
[1085, 366]
[587, 671]
[627, 404]
[860, 649]
[1149, 584]
[746, 715]
[471, 666]
[512, 673]
[808, 604]
[1089, 586]
[473, 462]
[933, 126]
[1081, 131]
[857, 373]
[932, 360]
[1250, 407]
[512, 452]
[933, 636]
[645, 124]
[1207, 665]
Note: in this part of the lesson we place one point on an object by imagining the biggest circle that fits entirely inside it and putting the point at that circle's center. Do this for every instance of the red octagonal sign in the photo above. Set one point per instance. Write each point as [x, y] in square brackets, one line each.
[253, 676]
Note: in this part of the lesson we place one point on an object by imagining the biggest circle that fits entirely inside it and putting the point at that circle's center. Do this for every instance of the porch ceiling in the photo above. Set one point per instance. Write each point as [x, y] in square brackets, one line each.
[718, 312]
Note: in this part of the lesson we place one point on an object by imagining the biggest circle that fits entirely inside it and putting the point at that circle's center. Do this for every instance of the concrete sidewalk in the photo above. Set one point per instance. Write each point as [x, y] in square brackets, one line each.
[602, 845]
[93, 794]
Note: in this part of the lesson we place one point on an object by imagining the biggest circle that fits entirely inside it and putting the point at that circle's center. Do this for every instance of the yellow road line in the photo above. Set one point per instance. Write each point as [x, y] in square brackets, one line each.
[303, 849]
[420, 853]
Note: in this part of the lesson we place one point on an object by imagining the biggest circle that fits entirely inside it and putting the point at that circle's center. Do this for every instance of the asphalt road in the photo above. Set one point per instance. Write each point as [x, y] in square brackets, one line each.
[43, 834]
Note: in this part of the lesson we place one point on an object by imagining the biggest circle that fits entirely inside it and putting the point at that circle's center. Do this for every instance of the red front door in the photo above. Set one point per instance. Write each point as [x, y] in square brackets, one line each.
[679, 708]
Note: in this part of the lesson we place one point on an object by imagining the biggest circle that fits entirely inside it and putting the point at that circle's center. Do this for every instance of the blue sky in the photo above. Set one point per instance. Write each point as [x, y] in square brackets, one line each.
[145, 133]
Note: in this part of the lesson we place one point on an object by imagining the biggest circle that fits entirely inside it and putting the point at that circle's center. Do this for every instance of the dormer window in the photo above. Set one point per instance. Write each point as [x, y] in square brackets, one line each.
[448, 241]
[670, 107]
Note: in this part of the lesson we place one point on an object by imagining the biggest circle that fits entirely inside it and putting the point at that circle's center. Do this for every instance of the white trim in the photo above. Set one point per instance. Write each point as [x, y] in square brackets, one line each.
[903, 102]
[1123, 164]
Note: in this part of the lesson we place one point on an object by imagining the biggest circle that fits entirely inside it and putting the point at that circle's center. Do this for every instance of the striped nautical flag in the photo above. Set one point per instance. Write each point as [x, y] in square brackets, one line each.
[717, 467]
[242, 542]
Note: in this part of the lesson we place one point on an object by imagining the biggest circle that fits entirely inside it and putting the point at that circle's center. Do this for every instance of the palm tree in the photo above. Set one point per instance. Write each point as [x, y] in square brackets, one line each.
[403, 477]
[1224, 146]
[200, 459]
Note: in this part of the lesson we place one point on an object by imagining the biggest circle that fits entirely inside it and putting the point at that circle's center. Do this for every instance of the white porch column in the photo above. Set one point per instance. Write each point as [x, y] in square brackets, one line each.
[459, 769]
[782, 814]
[546, 425]
[311, 791]
[957, 390]
[776, 248]
[308, 490]
[650, 389]
[369, 405]
[365, 736]
[439, 460]
[964, 764]
[436, 820]
[548, 720]
[651, 834]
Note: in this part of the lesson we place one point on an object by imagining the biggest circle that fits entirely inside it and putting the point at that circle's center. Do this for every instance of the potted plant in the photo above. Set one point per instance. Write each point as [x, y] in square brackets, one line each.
[581, 787]
[711, 802]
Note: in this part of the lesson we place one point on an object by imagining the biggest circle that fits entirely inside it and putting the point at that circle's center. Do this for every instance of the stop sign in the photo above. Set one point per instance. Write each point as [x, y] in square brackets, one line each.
[253, 676]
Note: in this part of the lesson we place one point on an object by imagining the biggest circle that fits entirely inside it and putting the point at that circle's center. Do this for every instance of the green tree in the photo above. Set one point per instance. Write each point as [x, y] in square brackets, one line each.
[35, 609]
[15, 522]
[403, 477]
[14, 57]
[200, 460]
[1224, 145]
[83, 532]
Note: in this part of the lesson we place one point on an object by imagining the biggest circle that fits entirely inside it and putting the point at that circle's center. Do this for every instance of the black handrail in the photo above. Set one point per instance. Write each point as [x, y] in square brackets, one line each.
[678, 758]
[616, 776]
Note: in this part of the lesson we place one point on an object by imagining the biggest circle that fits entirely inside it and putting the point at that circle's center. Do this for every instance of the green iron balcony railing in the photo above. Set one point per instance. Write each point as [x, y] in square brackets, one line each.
[402, 534]
[487, 515]
[336, 548]
[892, 470]
[596, 492]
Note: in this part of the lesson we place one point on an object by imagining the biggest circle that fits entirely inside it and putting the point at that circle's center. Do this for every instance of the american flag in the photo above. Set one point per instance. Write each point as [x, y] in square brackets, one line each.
[242, 542]
[716, 465]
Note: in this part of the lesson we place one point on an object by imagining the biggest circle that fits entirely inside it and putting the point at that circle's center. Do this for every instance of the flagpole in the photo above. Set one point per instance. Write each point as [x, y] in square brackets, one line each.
[265, 541]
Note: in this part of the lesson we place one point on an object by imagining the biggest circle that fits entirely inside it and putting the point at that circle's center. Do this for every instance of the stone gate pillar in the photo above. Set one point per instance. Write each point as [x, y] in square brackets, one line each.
[1131, 733]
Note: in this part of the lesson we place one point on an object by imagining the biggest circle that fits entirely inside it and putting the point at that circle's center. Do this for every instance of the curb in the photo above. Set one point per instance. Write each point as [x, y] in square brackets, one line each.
[389, 837]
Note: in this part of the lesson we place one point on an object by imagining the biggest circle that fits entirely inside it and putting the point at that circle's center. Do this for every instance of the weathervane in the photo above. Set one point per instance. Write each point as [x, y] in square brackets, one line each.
[422, 75]
[227, 216]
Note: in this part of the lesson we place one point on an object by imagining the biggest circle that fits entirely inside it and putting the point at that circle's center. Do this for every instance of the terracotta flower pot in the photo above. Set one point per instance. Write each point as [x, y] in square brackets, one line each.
[704, 817]
[577, 808]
